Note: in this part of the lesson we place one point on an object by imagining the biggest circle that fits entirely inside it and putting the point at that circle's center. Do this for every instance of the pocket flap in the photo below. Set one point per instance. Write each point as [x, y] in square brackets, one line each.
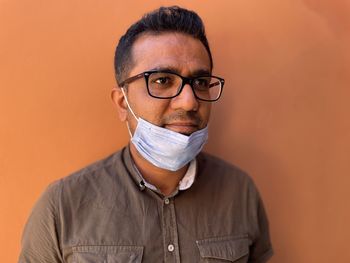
[226, 248]
[109, 254]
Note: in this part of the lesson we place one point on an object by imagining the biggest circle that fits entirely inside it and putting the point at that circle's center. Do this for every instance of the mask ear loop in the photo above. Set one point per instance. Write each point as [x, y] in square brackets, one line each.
[127, 103]
[127, 125]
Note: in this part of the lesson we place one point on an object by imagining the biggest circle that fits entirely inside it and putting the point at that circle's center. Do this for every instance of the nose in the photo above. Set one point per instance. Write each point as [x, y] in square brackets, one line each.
[186, 100]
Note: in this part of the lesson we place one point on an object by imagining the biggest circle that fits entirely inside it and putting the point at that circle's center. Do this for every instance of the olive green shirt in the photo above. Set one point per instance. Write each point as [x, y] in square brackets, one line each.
[105, 214]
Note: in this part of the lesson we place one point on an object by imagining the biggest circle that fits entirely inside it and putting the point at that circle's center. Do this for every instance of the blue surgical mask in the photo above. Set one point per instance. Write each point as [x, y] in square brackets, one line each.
[164, 148]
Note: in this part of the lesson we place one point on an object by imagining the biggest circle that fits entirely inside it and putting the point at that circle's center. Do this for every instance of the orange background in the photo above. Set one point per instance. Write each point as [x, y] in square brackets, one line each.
[283, 117]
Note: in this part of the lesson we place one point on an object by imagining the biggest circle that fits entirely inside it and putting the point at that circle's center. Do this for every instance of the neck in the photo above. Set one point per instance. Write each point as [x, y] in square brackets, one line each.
[166, 181]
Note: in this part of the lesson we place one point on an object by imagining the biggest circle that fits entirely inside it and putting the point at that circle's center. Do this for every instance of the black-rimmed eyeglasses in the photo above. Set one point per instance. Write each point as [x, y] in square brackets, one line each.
[167, 85]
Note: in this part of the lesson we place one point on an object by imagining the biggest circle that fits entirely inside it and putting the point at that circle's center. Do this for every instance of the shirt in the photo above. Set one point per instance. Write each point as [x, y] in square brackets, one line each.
[103, 213]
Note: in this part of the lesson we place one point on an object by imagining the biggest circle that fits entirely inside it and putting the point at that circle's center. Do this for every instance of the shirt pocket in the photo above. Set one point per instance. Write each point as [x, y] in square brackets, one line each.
[224, 249]
[107, 254]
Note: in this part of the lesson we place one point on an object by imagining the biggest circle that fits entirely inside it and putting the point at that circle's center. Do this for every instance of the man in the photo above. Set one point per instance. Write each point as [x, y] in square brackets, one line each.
[159, 199]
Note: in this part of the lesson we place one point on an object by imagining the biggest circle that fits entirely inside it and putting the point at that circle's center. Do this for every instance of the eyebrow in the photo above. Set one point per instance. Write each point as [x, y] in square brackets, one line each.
[196, 73]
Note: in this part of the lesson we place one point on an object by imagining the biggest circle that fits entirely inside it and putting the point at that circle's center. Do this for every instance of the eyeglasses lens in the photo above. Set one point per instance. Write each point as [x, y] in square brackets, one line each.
[166, 85]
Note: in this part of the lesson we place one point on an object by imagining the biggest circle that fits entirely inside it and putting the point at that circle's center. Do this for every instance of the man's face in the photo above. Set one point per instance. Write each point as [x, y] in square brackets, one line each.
[181, 54]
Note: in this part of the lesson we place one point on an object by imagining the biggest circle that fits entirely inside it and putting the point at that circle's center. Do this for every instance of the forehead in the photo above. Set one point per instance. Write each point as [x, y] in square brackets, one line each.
[179, 52]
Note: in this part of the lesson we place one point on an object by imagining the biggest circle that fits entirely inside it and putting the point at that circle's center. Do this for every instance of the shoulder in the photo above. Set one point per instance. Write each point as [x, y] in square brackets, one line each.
[94, 176]
[85, 185]
[219, 169]
[97, 170]
[219, 176]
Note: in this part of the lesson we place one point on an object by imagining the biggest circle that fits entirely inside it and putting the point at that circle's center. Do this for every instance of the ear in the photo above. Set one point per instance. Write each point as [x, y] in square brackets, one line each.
[119, 101]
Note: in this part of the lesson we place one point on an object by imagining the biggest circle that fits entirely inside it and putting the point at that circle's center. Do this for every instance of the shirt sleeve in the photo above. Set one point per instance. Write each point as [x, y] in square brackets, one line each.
[261, 249]
[40, 242]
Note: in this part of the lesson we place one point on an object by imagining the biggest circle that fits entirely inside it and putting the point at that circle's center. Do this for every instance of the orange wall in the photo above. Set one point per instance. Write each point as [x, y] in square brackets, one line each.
[283, 118]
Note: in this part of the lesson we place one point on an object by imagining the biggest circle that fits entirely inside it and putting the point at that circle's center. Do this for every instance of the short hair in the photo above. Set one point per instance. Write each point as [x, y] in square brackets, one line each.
[162, 20]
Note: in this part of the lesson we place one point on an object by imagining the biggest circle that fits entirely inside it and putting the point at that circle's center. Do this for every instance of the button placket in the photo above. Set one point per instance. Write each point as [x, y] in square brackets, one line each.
[174, 234]
[170, 238]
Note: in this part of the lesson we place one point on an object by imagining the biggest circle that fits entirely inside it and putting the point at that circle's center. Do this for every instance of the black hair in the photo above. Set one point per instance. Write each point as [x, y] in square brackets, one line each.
[164, 19]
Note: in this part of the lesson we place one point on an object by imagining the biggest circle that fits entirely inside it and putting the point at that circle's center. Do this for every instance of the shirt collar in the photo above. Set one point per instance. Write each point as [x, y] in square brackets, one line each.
[185, 183]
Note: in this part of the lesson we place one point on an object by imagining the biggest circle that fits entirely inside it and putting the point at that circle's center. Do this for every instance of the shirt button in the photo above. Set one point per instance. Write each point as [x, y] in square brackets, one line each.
[171, 248]
[166, 201]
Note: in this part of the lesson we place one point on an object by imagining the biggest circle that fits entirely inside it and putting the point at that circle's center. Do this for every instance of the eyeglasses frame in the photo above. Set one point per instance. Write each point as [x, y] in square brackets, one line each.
[185, 80]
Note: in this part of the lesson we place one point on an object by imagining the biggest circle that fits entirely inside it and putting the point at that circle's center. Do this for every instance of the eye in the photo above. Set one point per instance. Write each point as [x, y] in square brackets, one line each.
[201, 83]
[162, 80]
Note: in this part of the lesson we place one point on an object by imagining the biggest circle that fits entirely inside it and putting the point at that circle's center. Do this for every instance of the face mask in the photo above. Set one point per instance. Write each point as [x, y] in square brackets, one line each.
[164, 148]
